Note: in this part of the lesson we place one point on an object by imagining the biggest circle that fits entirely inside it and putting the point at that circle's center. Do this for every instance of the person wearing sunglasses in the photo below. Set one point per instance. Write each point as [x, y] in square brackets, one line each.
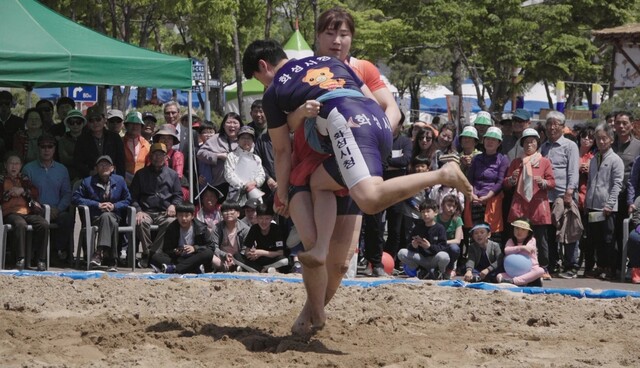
[51, 178]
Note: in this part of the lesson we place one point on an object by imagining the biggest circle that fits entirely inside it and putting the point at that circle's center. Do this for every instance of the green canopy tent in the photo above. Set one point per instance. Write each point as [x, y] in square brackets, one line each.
[41, 48]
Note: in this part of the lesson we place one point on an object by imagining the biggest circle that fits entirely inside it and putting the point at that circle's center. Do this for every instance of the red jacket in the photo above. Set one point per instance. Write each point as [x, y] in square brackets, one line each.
[538, 211]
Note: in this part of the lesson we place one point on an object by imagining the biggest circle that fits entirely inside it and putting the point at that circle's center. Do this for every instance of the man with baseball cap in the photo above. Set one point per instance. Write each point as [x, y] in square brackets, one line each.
[115, 118]
[136, 147]
[97, 141]
[521, 119]
[155, 191]
[107, 197]
[54, 187]
[150, 121]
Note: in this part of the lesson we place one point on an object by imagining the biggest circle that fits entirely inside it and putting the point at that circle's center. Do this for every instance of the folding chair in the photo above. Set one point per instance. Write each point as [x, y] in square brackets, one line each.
[88, 235]
[4, 230]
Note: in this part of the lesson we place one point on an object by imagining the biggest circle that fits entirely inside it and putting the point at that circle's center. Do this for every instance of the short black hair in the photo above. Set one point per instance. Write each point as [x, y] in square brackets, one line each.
[625, 113]
[256, 104]
[428, 204]
[207, 124]
[44, 102]
[267, 50]
[421, 161]
[65, 101]
[264, 210]
[230, 205]
[186, 206]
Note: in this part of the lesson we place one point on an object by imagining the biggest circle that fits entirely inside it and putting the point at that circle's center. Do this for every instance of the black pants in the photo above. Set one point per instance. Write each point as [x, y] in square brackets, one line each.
[398, 229]
[601, 243]
[374, 238]
[19, 233]
[190, 264]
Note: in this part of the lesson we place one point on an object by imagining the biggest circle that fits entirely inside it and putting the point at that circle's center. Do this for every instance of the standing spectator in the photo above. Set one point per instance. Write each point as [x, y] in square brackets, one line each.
[444, 145]
[398, 225]
[150, 121]
[136, 147]
[25, 141]
[10, 124]
[606, 172]
[243, 169]
[468, 142]
[74, 122]
[46, 107]
[228, 237]
[565, 160]
[423, 145]
[97, 141]
[482, 123]
[264, 150]
[155, 191]
[171, 111]
[107, 197]
[258, 120]
[486, 175]
[54, 188]
[634, 244]
[206, 130]
[188, 244]
[627, 147]
[20, 208]
[214, 152]
[588, 149]
[532, 177]
[115, 120]
[511, 146]
[63, 106]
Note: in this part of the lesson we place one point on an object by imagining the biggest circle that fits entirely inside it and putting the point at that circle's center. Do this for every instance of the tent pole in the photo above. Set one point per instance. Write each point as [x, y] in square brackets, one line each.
[190, 139]
[207, 105]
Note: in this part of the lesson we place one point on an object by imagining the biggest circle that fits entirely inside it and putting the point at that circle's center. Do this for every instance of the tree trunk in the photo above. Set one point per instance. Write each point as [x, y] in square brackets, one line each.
[267, 23]
[414, 92]
[216, 96]
[457, 77]
[238, 64]
[549, 99]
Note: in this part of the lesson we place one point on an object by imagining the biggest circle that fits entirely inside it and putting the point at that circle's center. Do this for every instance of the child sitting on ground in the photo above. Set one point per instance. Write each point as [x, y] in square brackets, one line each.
[263, 248]
[208, 209]
[449, 217]
[522, 243]
[427, 253]
[484, 255]
[187, 246]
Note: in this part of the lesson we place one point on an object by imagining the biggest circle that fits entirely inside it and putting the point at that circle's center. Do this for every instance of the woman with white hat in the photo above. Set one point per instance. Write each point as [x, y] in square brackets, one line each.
[486, 174]
[532, 177]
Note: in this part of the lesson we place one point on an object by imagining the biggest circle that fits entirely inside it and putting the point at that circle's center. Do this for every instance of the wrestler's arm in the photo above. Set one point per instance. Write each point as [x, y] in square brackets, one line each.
[309, 109]
[388, 103]
[282, 161]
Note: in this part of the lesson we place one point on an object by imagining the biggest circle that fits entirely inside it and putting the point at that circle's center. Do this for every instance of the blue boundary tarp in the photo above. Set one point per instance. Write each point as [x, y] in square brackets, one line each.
[576, 293]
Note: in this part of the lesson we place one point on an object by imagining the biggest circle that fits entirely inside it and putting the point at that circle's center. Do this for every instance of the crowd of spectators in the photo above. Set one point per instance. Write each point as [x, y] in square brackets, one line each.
[573, 187]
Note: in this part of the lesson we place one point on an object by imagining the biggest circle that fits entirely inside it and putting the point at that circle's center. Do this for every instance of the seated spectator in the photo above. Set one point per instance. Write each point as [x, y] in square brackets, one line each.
[208, 206]
[155, 191]
[174, 158]
[214, 152]
[97, 141]
[243, 169]
[20, 208]
[52, 180]
[484, 256]
[187, 246]
[427, 254]
[228, 237]
[107, 197]
[150, 121]
[205, 131]
[633, 244]
[449, 217]
[250, 217]
[74, 122]
[263, 248]
[136, 148]
[25, 141]
[522, 242]
[115, 120]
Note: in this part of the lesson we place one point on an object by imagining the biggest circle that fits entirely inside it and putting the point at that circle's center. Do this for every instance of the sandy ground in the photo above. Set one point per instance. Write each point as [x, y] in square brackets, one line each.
[59, 322]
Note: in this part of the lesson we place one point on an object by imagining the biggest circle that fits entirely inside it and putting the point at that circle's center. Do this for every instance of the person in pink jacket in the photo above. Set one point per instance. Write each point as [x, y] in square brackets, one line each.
[532, 177]
[522, 243]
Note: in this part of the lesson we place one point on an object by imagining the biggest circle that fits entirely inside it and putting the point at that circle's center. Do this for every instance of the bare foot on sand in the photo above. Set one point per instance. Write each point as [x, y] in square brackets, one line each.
[452, 176]
[307, 325]
[314, 257]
